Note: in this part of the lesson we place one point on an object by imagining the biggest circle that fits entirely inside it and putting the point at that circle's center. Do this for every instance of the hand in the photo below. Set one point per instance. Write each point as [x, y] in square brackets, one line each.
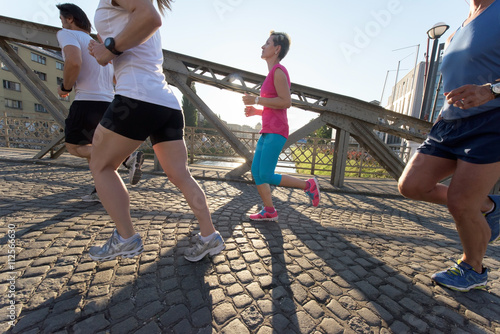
[100, 53]
[250, 111]
[62, 93]
[469, 96]
[249, 100]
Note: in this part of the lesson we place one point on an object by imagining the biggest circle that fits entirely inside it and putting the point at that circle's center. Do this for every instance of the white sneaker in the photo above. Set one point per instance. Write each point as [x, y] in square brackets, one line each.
[114, 248]
[134, 164]
[92, 197]
[200, 249]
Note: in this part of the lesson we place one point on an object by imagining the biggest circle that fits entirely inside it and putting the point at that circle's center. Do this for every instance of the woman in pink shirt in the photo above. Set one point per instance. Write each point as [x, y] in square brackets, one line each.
[275, 98]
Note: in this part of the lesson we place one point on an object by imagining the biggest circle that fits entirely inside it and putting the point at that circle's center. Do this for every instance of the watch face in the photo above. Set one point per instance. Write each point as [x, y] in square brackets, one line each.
[108, 42]
[495, 88]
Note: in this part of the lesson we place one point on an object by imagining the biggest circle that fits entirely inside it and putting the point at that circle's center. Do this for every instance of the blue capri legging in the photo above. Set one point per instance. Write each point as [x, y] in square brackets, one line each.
[266, 157]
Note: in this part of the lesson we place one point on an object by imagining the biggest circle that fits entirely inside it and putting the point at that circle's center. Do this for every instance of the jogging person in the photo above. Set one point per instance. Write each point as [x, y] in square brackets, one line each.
[144, 106]
[275, 99]
[465, 144]
[93, 86]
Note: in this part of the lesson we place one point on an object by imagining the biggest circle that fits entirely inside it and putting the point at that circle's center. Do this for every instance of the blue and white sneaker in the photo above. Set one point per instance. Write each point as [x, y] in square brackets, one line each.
[493, 219]
[200, 248]
[114, 248]
[461, 277]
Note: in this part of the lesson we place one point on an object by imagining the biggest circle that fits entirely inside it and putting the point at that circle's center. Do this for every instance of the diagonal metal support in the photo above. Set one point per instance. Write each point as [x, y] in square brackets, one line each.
[32, 82]
[37, 88]
[58, 140]
[181, 83]
[365, 136]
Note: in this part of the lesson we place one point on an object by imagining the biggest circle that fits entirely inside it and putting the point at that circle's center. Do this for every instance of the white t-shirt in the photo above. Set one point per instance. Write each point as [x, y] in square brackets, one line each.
[94, 82]
[139, 70]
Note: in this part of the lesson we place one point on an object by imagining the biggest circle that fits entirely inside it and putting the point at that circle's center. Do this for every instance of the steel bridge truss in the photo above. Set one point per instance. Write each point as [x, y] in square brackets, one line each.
[349, 116]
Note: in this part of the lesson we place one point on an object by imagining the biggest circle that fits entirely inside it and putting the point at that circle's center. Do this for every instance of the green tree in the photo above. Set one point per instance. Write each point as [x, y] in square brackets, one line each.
[190, 111]
[324, 132]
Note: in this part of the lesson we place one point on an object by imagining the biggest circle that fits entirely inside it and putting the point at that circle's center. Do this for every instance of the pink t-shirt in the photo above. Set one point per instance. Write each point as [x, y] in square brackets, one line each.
[274, 120]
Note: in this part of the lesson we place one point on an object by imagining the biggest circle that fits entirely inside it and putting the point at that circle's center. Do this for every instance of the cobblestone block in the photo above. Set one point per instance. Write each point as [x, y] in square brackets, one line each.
[30, 319]
[235, 326]
[173, 315]
[125, 326]
[150, 327]
[252, 317]
[314, 309]
[202, 317]
[223, 313]
[371, 318]
[338, 309]
[399, 327]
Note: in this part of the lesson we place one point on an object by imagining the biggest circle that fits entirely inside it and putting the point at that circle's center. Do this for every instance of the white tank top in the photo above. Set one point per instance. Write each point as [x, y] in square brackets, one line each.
[139, 70]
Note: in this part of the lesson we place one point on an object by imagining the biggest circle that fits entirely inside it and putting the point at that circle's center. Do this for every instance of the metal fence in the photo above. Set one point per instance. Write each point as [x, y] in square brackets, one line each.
[309, 155]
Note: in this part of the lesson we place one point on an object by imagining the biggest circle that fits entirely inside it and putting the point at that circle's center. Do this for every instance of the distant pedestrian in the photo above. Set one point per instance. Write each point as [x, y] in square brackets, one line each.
[144, 106]
[93, 86]
[275, 99]
[465, 144]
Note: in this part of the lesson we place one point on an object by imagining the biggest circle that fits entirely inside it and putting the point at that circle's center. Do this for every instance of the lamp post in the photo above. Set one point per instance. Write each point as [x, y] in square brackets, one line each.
[433, 33]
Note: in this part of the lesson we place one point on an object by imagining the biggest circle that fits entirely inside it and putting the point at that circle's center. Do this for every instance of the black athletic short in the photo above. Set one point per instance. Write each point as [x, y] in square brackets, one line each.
[83, 118]
[139, 120]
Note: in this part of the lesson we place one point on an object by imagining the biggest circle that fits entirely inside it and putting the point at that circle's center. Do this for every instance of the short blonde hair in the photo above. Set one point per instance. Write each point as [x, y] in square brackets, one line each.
[282, 39]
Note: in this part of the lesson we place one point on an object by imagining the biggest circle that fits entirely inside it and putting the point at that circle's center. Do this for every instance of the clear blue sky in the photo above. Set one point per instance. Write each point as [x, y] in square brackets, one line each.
[345, 47]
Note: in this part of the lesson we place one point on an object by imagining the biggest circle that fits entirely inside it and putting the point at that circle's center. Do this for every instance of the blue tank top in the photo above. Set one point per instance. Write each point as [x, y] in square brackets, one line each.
[473, 57]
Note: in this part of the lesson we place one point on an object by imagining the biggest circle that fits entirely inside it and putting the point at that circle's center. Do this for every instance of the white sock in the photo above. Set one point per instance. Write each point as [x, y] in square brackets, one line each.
[208, 238]
[121, 239]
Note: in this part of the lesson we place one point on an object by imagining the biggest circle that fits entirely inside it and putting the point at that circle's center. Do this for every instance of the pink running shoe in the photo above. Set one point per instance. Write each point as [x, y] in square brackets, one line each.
[313, 191]
[265, 216]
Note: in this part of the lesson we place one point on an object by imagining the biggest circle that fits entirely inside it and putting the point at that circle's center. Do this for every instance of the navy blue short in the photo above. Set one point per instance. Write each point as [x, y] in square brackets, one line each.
[83, 118]
[139, 120]
[474, 139]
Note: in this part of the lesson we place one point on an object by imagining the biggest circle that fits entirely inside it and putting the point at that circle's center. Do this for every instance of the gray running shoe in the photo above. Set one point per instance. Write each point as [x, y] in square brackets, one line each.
[114, 248]
[134, 163]
[92, 197]
[200, 249]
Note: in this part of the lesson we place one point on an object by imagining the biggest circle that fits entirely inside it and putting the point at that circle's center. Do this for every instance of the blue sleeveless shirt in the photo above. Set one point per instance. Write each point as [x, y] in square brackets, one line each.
[473, 57]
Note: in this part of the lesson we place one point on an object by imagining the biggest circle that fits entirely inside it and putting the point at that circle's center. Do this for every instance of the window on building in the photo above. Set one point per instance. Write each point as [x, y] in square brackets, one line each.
[59, 65]
[12, 85]
[38, 58]
[14, 104]
[4, 67]
[59, 81]
[41, 75]
[40, 108]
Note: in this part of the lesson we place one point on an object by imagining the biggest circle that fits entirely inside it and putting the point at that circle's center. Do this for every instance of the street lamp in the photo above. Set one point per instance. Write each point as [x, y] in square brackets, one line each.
[434, 33]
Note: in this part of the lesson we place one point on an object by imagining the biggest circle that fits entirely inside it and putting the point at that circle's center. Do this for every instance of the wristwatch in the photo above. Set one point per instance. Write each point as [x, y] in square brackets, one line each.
[495, 89]
[109, 43]
[64, 89]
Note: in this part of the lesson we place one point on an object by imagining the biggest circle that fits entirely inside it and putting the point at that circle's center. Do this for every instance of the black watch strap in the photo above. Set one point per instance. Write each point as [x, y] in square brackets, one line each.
[64, 89]
[109, 43]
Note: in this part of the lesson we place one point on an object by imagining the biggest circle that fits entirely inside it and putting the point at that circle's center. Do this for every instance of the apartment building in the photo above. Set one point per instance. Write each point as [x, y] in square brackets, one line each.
[15, 99]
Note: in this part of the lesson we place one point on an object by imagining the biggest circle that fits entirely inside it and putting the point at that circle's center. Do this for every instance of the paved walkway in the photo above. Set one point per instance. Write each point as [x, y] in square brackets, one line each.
[359, 263]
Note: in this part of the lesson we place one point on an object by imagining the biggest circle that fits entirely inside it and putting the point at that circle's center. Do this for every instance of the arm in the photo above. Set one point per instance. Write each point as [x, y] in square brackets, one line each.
[143, 22]
[469, 96]
[72, 66]
[282, 101]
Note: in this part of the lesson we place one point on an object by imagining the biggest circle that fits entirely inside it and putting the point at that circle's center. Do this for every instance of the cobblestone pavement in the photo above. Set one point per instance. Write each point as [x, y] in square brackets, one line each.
[356, 264]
